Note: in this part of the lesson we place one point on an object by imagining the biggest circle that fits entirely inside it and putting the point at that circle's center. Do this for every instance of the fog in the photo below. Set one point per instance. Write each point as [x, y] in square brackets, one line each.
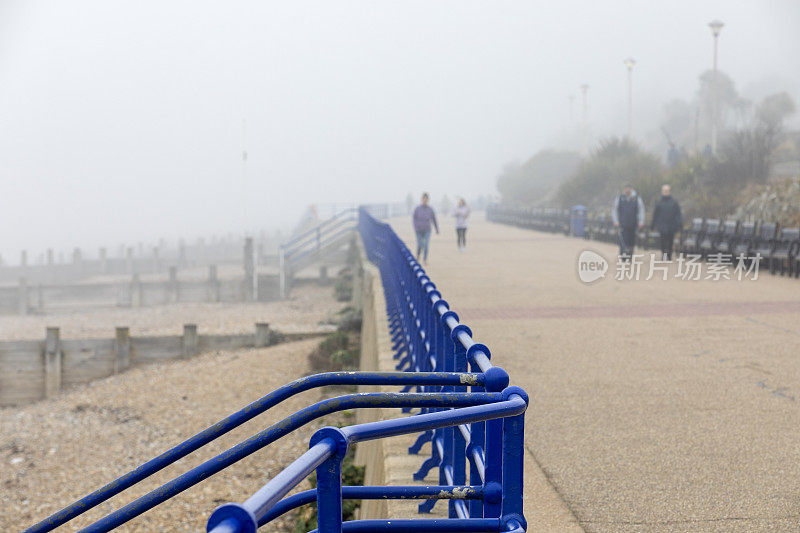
[123, 121]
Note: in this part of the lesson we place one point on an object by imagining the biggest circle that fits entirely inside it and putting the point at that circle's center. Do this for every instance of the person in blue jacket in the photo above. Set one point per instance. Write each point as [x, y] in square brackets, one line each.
[423, 218]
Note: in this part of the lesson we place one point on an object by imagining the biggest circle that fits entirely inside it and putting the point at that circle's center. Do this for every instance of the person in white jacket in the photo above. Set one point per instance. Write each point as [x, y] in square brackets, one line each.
[461, 213]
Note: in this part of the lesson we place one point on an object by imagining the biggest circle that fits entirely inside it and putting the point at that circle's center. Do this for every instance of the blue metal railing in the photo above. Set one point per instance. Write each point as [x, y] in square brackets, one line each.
[482, 426]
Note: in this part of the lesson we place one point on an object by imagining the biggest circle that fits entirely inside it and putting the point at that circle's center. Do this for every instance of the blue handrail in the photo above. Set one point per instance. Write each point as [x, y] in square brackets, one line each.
[468, 413]
[329, 445]
[426, 336]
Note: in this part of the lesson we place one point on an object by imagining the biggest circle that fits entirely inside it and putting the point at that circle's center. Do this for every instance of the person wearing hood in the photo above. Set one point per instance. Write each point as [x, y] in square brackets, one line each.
[667, 219]
[628, 215]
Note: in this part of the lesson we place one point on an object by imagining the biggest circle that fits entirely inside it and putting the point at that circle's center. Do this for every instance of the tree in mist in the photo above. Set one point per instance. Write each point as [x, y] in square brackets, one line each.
[715, 187]
[613, 164]
[445, 205]
[745, 155]
[531, 182]
[688, 124]
[774, 109]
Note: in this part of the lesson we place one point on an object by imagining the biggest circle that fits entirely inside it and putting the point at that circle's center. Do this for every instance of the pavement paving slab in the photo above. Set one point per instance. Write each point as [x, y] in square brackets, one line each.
[656, 405]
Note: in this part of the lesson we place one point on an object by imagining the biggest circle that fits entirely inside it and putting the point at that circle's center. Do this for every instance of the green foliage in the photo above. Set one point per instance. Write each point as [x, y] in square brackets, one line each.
[344, 359]
[530, 183]
[343, 288]
[600, 178]
[337, 340]
[352, 475]
[349, 319]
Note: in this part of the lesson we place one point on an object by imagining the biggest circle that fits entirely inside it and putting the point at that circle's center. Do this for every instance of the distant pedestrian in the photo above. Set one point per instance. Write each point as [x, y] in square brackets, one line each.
[423, 218]
[461, 213]
[667, 219]
[628, 215]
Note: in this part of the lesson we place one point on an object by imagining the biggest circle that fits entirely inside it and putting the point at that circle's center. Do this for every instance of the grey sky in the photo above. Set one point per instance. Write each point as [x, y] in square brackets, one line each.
[122, 121]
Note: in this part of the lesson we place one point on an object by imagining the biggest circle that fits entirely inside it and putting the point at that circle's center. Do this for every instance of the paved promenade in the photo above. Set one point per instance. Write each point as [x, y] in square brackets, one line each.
[656, 405]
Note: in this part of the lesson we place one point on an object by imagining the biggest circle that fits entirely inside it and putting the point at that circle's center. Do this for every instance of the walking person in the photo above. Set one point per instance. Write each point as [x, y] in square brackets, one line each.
[461, 213]
[423, 218]
[667, 219]
[628, 216]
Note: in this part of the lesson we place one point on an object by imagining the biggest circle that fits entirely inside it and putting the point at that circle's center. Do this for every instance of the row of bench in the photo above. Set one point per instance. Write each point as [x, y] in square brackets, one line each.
[778, 247]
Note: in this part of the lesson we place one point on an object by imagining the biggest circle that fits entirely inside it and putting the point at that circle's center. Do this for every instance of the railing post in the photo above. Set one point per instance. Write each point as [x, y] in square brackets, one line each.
[329, 481]
[449, 432]
[477, 441]
[459, 442]
[513, 462]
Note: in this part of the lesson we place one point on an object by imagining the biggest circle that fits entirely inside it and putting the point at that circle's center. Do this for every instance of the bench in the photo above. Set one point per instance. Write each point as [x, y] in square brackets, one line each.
[746, 239]
[692, 236]
[784, 254]
[765, 243]
[728, 236]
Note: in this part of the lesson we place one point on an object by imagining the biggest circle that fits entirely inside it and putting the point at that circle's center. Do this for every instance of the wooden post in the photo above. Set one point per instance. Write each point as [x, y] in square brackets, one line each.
[136, 291]
[52, 363]
[122, 349]
[213, 284]
[129, 260]
[51, 269]
[249, 271]
[103, 261]
[173, 284]
[182, 253]
[189, 340]
[262, 335]
[323, 273]
[23, 296]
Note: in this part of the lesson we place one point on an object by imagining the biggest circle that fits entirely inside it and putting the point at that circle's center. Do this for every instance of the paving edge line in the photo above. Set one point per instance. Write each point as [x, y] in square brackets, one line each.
[387, 460]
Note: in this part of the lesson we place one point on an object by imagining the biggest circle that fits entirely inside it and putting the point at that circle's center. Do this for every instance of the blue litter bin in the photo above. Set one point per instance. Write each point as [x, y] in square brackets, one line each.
[578, 221]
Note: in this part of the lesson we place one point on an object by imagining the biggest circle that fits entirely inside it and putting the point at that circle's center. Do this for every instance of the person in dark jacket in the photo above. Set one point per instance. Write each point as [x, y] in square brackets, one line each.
[667, 219]
[628, 215]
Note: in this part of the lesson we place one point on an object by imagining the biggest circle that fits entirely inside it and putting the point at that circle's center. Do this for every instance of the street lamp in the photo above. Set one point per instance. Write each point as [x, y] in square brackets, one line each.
[584, 89]
[630, 62]
[715, 26]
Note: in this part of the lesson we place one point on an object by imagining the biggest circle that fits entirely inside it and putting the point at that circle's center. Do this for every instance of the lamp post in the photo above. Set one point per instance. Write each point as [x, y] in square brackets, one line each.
[584, 89]
[715, 26]
[630, 62]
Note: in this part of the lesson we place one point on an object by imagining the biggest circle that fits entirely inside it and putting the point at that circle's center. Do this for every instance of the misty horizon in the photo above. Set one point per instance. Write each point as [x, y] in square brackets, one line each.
[123, 123]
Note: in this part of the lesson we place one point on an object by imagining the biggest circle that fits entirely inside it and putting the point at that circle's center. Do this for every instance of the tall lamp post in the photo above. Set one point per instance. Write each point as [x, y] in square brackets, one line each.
[715, 26]
[585, 127]
[630, 62]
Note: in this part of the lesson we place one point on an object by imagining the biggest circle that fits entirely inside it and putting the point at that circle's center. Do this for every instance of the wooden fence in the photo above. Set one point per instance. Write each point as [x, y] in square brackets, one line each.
[32, 370]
